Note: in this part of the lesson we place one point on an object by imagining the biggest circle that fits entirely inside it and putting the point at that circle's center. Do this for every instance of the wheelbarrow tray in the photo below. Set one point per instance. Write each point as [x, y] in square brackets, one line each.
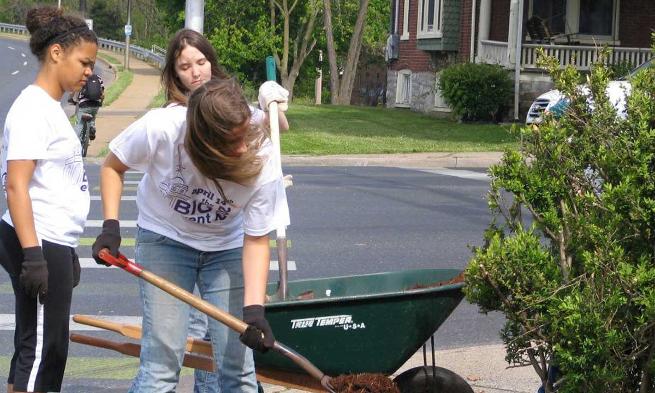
[367, 323]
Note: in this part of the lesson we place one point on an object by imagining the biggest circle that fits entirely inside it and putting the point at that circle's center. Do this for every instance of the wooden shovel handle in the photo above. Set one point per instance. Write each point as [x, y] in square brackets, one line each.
[131, 349]
[201, 347]
[229, 320]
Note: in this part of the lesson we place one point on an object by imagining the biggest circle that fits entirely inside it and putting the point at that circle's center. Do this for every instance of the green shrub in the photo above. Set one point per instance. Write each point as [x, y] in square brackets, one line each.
[476, 91]
[576, 279]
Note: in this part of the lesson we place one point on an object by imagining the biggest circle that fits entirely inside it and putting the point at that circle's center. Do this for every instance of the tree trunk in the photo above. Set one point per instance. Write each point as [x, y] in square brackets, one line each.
[303, 44]
[341, 88]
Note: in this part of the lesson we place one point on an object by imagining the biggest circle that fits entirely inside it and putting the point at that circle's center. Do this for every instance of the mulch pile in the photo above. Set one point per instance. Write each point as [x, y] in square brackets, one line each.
[363, 383]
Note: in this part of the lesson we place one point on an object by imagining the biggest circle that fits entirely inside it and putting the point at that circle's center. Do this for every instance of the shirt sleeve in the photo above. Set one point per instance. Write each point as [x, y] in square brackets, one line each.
[258, 116]
[27, 138]
[134, 146]
[267, 209]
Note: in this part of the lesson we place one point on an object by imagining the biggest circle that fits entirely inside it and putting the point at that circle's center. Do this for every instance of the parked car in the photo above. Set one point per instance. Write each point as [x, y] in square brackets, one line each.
[555, 102]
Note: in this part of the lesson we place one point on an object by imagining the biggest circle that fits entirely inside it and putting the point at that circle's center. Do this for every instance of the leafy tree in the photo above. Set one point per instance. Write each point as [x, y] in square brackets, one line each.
[106, 20]
[575, 278]
[295, 24]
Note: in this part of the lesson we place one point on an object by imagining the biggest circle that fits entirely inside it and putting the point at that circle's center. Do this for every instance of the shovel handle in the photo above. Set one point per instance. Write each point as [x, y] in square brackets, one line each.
[229, 320]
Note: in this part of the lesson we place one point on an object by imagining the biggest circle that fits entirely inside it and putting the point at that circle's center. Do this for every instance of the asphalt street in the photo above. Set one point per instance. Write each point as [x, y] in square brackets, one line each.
[344, 221]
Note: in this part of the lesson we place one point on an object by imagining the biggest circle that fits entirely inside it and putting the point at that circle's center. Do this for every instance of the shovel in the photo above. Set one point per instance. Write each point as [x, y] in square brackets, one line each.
[225, 318]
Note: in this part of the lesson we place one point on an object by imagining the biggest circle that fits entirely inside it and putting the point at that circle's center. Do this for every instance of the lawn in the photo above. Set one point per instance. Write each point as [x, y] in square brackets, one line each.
[329, 129]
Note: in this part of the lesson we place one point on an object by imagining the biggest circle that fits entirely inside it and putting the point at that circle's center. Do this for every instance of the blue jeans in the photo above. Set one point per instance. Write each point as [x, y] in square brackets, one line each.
[203, 381]
[219, 277]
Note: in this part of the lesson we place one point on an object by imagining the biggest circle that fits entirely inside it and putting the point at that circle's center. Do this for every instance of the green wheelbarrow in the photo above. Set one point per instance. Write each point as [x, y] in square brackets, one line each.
[352, 325]
[369, 323]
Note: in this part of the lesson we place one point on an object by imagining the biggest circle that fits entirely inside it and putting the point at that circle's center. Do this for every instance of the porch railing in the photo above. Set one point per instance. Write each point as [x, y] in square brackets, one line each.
[495, 52]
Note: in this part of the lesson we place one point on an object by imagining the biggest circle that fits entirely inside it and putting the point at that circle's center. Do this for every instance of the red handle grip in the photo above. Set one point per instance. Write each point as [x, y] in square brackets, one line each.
[121, 262]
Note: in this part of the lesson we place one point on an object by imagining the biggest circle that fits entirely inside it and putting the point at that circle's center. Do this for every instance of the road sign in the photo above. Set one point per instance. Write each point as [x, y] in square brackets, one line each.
[128, 30]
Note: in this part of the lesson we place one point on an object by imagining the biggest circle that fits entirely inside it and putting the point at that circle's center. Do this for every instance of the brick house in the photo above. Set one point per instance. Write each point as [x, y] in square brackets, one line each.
[428, 35]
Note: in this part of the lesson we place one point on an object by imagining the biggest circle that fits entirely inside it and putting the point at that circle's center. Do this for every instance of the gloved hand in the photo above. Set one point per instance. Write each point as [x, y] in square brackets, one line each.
[34, 272]
[258, 335]
[77, 269]
[109, 238]
[271, 91]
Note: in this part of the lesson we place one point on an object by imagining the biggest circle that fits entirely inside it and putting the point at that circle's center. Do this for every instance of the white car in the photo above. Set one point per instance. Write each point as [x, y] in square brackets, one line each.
[555, 102]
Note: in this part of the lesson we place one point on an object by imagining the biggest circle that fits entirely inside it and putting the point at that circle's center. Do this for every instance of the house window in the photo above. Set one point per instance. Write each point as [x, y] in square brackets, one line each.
[552, 13]
[405, 35]
[429, 18]
[596, 17]
[404, 88]
[588, 21]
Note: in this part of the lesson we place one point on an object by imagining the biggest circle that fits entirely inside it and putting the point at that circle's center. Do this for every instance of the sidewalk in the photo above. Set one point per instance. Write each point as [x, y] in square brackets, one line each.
[131, 104]
[483, 367]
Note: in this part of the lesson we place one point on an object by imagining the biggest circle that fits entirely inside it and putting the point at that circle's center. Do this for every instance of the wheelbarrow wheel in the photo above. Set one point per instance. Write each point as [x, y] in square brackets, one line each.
[429, 379]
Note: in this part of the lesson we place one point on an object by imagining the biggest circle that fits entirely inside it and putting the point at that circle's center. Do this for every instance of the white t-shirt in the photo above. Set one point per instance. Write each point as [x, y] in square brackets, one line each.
[175, 200]
[36, 128]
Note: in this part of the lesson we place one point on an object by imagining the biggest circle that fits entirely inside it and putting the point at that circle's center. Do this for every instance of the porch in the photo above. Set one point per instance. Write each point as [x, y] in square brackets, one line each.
[579, 56]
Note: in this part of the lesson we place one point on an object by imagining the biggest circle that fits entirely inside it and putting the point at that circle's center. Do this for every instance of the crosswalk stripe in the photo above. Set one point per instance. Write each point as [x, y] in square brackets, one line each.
[461, 173]
[131, 242]
[123, 198]
[131, 182]
[90, 263]
[98, 223]
[8, 322]
[125, 188]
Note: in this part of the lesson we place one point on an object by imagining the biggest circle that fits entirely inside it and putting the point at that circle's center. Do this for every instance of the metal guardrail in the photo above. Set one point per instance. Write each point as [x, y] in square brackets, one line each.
[103, 43]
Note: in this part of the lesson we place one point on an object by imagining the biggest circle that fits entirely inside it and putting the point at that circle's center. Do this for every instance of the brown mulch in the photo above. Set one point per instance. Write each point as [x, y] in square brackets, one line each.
[455, 280]
[363, 383]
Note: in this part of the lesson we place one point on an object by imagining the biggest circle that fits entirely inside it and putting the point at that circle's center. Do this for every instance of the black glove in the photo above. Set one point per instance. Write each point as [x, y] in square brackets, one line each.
[34, 272]
[109, 238]
[258, 335]
[77, 269]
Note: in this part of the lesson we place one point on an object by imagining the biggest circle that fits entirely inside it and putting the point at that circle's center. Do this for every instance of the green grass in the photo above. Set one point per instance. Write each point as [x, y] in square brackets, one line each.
[117, 64]
[331, 129]
[158, 100]
[123, 80]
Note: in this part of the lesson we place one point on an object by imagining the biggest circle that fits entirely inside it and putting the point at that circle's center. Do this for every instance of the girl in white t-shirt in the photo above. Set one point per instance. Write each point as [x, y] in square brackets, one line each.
[47, 198]
[207, 201]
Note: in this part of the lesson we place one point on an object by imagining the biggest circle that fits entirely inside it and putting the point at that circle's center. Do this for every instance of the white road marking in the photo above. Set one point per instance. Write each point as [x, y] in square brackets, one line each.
[131, 181]
[8, 322]
[22, 54]
[11, 47]
[90, 263]
[15, 72]
[98, 224]
[123, 198]
[24, 63]
[464, 174]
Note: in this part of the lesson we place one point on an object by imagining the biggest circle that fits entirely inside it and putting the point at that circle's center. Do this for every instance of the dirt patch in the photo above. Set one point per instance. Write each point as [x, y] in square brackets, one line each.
[363, 383]
[455, 280]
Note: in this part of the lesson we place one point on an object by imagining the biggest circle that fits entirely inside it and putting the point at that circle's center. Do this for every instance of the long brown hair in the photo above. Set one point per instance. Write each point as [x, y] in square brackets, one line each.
[215, 109]
[49, 25]
[173, 87]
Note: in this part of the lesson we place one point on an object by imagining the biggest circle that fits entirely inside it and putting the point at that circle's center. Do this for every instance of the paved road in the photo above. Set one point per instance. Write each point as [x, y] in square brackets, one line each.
[345, 221]
[19, 68]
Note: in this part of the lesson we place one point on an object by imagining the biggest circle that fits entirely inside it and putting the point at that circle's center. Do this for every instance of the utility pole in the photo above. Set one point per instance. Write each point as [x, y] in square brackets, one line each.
[58, 3]
[128, 33]
[194, 15]
[82, 7]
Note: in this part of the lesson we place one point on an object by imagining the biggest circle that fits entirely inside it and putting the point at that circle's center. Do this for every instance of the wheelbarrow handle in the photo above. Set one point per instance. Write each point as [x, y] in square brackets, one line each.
[229, 320]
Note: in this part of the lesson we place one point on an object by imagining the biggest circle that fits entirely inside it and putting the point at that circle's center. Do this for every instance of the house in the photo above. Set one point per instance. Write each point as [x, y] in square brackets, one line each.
[428, 35]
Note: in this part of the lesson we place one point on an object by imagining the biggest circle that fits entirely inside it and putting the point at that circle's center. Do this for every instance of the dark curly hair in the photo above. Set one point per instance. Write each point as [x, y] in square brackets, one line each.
[49, 25]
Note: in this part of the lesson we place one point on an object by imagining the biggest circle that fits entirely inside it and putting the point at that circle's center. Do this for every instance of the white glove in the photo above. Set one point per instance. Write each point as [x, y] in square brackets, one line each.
[271, 91]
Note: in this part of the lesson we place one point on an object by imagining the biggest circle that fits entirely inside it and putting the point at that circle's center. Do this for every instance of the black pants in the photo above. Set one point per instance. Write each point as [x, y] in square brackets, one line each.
[41, 335]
